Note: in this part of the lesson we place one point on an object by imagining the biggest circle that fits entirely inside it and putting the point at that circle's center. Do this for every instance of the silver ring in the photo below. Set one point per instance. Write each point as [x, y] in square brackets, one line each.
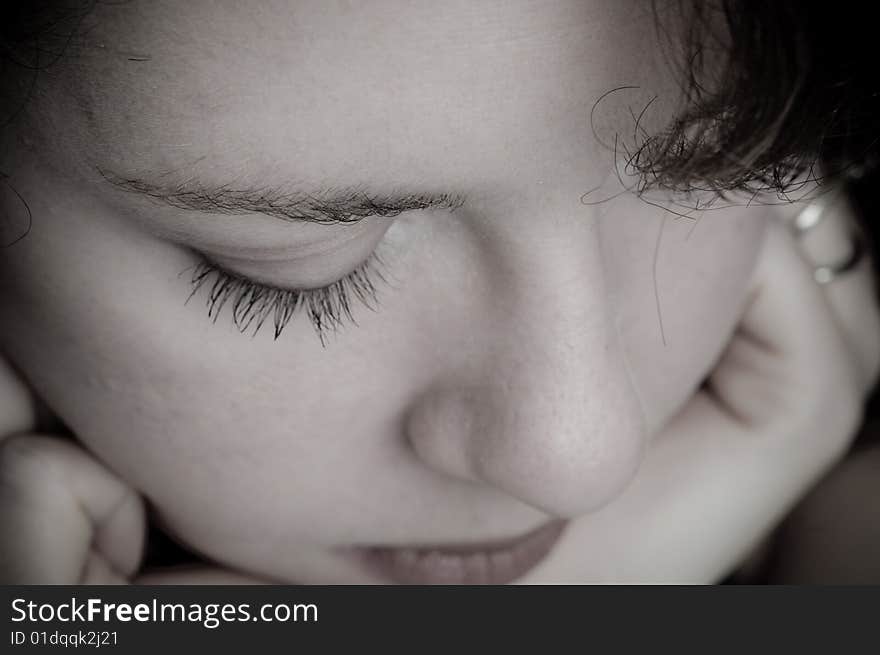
[810, 217]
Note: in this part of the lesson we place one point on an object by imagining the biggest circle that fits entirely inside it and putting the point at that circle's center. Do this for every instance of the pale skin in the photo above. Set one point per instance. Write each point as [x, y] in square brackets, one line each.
[533, 356]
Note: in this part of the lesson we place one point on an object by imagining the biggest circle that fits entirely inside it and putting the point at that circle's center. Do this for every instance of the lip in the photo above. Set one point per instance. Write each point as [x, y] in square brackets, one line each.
[495, 563]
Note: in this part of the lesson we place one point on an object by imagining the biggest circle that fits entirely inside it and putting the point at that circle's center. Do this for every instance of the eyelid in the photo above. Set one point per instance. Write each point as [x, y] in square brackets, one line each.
[254, 237]
[235, 272]
[252, 303]
[282, 241]
[312, 265]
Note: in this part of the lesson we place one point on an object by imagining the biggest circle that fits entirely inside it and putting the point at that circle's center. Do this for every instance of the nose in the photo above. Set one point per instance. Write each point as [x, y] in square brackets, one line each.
[542, 407]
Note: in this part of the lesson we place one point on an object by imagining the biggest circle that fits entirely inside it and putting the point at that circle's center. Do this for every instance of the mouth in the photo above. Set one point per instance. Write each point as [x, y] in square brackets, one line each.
[495, 563]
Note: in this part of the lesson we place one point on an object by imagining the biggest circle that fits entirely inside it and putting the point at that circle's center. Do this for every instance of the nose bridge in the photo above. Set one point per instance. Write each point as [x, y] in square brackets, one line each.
[544, 410]
[560, 426]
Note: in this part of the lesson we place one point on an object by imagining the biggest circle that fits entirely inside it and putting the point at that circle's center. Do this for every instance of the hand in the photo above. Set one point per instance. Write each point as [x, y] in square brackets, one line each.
[778, 411]
[66, 518]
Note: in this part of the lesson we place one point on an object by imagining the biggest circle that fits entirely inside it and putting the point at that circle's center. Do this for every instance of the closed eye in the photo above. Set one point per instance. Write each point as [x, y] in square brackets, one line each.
[254, 304]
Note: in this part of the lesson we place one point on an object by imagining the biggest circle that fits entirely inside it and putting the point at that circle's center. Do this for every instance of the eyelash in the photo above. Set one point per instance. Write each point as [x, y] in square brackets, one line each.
[328, 308]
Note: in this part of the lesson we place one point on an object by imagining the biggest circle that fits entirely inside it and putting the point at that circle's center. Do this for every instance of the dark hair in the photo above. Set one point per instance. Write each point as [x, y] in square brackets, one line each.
[775, 94]
[798, 86]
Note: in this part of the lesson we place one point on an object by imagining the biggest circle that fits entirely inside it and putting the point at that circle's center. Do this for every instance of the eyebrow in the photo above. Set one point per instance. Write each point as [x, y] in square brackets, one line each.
[331, 205]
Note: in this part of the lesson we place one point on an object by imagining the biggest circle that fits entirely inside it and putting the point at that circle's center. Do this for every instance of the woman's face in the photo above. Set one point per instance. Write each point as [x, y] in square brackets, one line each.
[525, 345]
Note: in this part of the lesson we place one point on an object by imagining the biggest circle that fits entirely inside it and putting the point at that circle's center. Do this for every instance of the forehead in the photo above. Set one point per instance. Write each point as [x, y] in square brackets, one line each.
[412, 91]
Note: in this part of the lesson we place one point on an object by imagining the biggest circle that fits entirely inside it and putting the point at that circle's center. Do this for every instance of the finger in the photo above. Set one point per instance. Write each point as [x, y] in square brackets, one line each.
[20, 409]
[66, 518]
[788, 355]
[780, 412]
[17, 405]
[851, 295]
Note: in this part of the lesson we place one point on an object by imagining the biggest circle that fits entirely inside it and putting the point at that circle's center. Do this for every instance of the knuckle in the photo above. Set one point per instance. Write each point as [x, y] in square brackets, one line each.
[25, 457]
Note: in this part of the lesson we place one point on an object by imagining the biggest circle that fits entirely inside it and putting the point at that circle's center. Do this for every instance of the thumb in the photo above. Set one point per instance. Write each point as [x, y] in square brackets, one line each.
[67, 519]
[20, 409]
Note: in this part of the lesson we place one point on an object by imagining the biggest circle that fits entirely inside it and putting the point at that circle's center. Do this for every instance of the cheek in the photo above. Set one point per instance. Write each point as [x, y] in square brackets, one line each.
[226, 435]
[679, 287]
